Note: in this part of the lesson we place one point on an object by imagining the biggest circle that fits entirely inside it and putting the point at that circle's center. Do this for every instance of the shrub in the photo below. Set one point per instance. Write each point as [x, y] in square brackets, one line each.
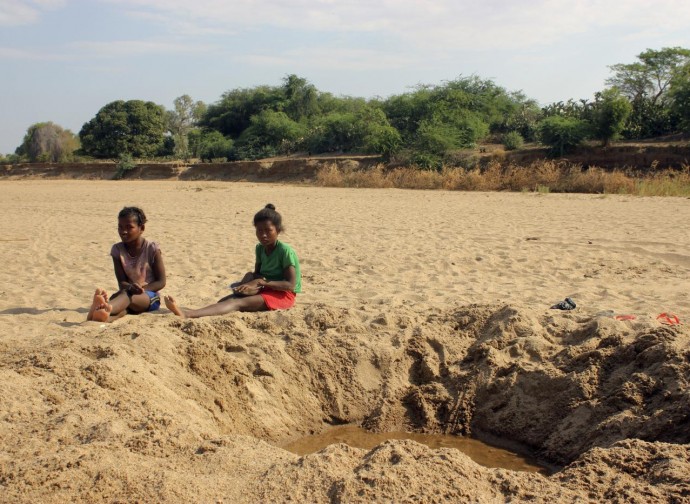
[513, 140]
[562, 134]
[125, 164]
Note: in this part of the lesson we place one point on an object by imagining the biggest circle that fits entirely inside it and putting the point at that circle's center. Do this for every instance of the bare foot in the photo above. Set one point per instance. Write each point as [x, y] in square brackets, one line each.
[102, 313]
[171, 304]
[100, 297]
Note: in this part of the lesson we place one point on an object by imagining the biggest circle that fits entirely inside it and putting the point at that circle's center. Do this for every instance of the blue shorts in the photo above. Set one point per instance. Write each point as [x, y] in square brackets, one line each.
[154, 300]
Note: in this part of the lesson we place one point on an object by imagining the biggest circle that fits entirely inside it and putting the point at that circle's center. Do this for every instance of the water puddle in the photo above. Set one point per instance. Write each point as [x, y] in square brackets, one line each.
[481, 453]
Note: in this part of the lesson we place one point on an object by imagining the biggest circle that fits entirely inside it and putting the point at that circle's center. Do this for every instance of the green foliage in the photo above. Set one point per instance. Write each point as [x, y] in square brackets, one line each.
[270, 133]
[381, 139]
[181, 121]
[513, 140]
[648, 83]
[680, 95]
[125, 164]
[125, 127]
[611, 111]
[49, 143]
[524, 119]
[648, 119]
[232, 114]
[333, 132]
[211, 145]
[435, 120]
[562, 134]
[301, 99]
[651, 76]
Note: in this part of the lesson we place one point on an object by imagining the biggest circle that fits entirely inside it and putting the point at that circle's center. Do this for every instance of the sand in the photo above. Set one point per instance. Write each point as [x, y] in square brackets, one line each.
[422, 311]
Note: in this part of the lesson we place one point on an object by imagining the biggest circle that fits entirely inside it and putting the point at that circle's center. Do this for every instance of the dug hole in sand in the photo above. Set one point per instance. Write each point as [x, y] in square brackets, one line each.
[166, 409]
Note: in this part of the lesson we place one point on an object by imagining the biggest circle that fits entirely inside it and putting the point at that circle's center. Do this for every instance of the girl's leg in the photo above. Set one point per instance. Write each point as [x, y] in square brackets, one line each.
[120, 301]
[102, 311]
[100, 297]
[249, 303]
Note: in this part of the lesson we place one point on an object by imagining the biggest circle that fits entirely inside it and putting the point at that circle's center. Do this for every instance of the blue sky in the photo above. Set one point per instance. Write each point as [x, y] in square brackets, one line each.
[62, 60]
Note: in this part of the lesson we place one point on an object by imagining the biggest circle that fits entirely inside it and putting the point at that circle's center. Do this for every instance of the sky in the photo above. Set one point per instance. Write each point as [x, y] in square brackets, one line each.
[62, 60]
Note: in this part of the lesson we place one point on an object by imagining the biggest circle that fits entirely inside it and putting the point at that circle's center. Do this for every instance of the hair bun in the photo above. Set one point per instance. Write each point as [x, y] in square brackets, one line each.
[271, 206]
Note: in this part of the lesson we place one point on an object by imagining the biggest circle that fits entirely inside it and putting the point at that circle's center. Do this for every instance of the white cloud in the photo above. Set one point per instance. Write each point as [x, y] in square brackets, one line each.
[453, 24]
[330, 59]
[24, 12]
[12, 53]
[117, 48]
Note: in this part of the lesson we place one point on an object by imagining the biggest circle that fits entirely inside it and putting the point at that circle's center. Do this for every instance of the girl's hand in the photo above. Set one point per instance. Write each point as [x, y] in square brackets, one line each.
[135, 288]
[250, 288]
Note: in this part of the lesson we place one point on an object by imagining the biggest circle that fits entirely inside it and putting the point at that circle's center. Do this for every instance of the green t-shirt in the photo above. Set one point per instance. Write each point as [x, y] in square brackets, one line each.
[272, 266]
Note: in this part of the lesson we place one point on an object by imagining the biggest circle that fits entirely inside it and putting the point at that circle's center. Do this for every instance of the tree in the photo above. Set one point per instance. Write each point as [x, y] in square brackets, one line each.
[611, 111]
[182, 120]
[270, 133]
[125, 127]
[680, 95]
[209, 145]
[232, 114]
[48, 142]
[301, 98]
[651, 76]
[562, 134]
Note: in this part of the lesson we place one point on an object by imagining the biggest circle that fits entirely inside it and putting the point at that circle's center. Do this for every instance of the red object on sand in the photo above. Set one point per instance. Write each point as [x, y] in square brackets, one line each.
[625, 317]
[668, 319]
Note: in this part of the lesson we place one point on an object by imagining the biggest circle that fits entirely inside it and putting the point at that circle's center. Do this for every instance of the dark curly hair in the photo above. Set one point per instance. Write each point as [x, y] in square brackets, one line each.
[268, 213]
[133, 212]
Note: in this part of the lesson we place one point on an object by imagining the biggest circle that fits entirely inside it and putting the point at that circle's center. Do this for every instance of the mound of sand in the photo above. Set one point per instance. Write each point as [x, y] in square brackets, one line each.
[154, 408]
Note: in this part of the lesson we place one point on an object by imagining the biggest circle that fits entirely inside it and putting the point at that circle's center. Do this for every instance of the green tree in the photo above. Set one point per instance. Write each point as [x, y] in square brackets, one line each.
[301, 98]
[611, 111]
[680, 96]
[182, 120]
[209, 145]
[562, 134]
[651, 76]
[647, 84]
[130, 127]
[270, 133]
[48, 142]
[232, 114]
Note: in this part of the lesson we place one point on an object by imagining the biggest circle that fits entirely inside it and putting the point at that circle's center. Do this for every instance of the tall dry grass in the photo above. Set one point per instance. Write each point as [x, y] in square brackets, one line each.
[539, 176]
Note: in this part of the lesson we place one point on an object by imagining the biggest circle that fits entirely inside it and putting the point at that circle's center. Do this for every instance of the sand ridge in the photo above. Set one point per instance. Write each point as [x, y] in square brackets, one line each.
[425, 311]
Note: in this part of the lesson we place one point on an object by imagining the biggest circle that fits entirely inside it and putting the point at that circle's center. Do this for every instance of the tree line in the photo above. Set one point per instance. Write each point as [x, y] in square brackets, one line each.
[425, 126]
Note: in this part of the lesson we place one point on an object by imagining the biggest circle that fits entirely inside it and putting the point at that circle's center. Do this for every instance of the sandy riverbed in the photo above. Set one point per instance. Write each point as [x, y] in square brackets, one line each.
[425, 311]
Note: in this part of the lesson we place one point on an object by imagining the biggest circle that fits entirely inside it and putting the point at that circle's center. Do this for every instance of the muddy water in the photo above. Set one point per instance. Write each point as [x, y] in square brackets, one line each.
[481, 453]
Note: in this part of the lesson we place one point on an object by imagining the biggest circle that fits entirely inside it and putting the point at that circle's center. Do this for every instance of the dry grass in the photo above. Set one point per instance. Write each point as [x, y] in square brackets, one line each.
[541, 176]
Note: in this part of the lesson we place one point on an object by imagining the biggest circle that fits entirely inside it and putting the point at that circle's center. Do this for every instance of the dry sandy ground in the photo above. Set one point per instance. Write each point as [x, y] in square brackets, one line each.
[425, 311]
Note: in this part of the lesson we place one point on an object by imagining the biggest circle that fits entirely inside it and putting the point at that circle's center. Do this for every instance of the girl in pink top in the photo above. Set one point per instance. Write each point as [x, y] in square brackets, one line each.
[139, 270]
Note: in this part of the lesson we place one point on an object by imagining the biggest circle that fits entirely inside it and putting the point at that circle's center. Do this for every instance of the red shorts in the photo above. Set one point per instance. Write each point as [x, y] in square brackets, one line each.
[278, 300]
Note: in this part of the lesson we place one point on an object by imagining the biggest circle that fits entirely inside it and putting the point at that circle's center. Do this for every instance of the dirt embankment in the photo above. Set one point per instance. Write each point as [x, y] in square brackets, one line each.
[280, 170]
[639, 157]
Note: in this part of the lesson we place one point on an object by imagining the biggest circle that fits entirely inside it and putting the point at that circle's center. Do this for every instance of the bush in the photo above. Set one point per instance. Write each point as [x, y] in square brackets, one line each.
[125, 164]
[48, 143]
[513, 140]
[213, 145]
[562, 134]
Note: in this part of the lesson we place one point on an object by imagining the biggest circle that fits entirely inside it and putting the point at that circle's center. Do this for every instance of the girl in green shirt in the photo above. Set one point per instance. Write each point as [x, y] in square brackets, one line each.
[272, 285]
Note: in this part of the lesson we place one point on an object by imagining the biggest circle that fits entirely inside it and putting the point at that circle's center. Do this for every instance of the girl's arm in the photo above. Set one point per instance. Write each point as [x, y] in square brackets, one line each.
[122, 280]
[282, 285]
[158, 273]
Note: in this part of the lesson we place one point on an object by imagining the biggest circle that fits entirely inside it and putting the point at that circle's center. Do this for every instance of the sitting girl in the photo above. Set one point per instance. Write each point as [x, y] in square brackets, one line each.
[273, 283]
[139, 270]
